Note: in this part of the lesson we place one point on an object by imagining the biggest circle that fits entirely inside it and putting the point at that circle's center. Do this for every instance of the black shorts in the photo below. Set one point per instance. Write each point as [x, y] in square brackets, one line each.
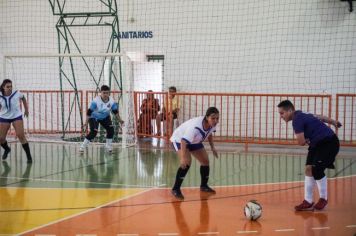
[324, 153]
[94, 123]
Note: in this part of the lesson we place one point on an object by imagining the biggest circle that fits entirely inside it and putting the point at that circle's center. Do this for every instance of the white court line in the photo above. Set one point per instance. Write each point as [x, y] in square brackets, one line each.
[207, 233]
[320, 228]
[271, 183]
[168, 234]
[127, 235]
[43, 234]
[247, 232]
[16, 234]
[80, 182]
[85, 212]
[350, 226]
[284, 230]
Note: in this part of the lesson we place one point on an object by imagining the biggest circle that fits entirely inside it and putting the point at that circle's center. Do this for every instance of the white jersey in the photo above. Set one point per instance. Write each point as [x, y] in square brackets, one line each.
[192, 131]
[10, 105]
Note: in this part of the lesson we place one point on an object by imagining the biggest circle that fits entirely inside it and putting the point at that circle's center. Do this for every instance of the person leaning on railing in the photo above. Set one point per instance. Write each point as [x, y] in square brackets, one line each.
[149, 110]
[169, 112]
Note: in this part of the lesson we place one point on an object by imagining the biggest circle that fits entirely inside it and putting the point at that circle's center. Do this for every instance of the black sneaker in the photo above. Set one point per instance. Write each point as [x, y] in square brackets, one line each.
[6, 153]
[207, 189]
[177, 194]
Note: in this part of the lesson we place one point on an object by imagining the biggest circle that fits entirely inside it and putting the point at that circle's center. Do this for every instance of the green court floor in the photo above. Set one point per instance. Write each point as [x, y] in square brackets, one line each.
[61, 166]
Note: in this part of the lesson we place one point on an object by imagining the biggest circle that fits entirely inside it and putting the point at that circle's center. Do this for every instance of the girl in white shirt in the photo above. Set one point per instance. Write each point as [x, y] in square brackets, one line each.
[188, 140]
[10, 113]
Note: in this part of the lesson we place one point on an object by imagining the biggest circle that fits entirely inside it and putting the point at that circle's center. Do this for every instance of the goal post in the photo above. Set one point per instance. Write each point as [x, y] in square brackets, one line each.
[59, 88]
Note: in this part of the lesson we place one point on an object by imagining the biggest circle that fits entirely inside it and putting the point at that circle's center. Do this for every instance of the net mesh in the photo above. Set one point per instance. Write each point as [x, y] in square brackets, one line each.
[228, 46]
[59, 89]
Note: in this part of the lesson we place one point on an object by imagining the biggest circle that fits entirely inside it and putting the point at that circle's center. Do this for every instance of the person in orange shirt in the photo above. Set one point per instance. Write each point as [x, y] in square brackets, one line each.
[149, 110]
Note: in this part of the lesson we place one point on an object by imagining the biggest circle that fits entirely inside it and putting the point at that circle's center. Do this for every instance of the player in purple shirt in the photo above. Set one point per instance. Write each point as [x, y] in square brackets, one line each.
[323, 144]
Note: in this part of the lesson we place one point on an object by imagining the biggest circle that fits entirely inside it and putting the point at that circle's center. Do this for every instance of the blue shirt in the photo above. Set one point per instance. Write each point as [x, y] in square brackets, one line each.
[314, 129]
[102, 109]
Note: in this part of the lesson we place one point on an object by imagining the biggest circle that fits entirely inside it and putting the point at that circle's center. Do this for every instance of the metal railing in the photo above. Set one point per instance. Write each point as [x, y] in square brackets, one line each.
[244, 118]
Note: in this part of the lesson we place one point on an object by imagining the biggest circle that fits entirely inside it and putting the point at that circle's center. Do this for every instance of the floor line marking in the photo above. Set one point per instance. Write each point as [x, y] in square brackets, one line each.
[270, 183]
[205, 233]
[127, 234]
[84, 212]
[167, 234]
[78, 182]
[284, 230]
[42, 234]
[350, 226]
[320, 228]
[247, 232]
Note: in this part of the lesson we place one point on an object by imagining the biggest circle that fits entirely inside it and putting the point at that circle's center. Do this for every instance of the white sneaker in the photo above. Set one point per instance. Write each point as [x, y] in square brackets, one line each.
[108, 148]
[81, 149]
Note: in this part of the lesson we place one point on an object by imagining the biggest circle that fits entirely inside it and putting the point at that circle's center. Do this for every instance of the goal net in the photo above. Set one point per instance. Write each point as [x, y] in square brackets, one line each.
[60, 87]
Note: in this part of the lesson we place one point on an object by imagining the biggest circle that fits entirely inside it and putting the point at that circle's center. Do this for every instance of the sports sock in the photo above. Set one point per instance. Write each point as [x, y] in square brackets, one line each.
[309, 183]
[204, 174]
[181, 173]
[26, 147]
[323, 187]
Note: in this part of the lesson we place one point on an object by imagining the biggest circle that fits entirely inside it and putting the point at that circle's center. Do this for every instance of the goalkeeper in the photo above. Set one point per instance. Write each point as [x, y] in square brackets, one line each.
[99, 113]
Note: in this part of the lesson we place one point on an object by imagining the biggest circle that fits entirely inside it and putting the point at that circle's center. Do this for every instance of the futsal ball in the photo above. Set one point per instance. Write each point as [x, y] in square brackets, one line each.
[253, 210]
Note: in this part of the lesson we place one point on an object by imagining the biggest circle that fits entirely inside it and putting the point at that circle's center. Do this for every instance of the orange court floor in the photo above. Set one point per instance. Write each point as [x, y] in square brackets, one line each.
[127, 193]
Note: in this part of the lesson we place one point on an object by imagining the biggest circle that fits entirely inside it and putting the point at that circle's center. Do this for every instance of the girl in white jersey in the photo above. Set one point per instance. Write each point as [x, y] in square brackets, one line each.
[188, 140]
[10, 112]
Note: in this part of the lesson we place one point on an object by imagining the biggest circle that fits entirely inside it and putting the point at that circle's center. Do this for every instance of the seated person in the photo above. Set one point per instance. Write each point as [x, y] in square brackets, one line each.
[149, 110]
[169, 112]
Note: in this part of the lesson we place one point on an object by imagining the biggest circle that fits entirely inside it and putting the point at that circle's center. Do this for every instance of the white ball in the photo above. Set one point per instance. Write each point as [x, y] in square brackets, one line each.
[253, 210]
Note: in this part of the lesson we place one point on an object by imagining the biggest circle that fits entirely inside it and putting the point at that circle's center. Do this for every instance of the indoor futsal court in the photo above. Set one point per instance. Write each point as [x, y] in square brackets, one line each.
[96, 97]
[128, 193]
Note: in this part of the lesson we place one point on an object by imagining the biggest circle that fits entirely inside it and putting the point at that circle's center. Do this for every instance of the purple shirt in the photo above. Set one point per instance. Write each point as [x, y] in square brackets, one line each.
[314, 129]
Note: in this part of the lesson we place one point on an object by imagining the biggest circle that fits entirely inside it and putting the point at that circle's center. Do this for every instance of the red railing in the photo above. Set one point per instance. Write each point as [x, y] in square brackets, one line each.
[346, 114]
[46, 116]
[251, 118]
[244, 118]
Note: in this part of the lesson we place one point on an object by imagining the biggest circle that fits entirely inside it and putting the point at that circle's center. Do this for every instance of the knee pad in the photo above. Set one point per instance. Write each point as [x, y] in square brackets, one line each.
[92, 134]
[110, 132]
[318, 173]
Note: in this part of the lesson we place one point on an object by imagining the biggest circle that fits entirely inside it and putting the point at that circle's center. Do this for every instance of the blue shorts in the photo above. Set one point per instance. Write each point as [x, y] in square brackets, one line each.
[2, 120]
[190, 147]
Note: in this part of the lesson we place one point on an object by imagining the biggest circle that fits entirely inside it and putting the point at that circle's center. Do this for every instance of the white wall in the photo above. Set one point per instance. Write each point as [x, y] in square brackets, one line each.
[148, 76]
[215, 46]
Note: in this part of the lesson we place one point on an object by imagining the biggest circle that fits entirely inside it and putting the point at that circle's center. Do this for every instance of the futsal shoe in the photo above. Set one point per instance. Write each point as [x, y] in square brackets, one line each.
[177, 194]
[304, 206]
[6, 154]
[81, 149]
[207, 189]
[108, 148]
[321, 204]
